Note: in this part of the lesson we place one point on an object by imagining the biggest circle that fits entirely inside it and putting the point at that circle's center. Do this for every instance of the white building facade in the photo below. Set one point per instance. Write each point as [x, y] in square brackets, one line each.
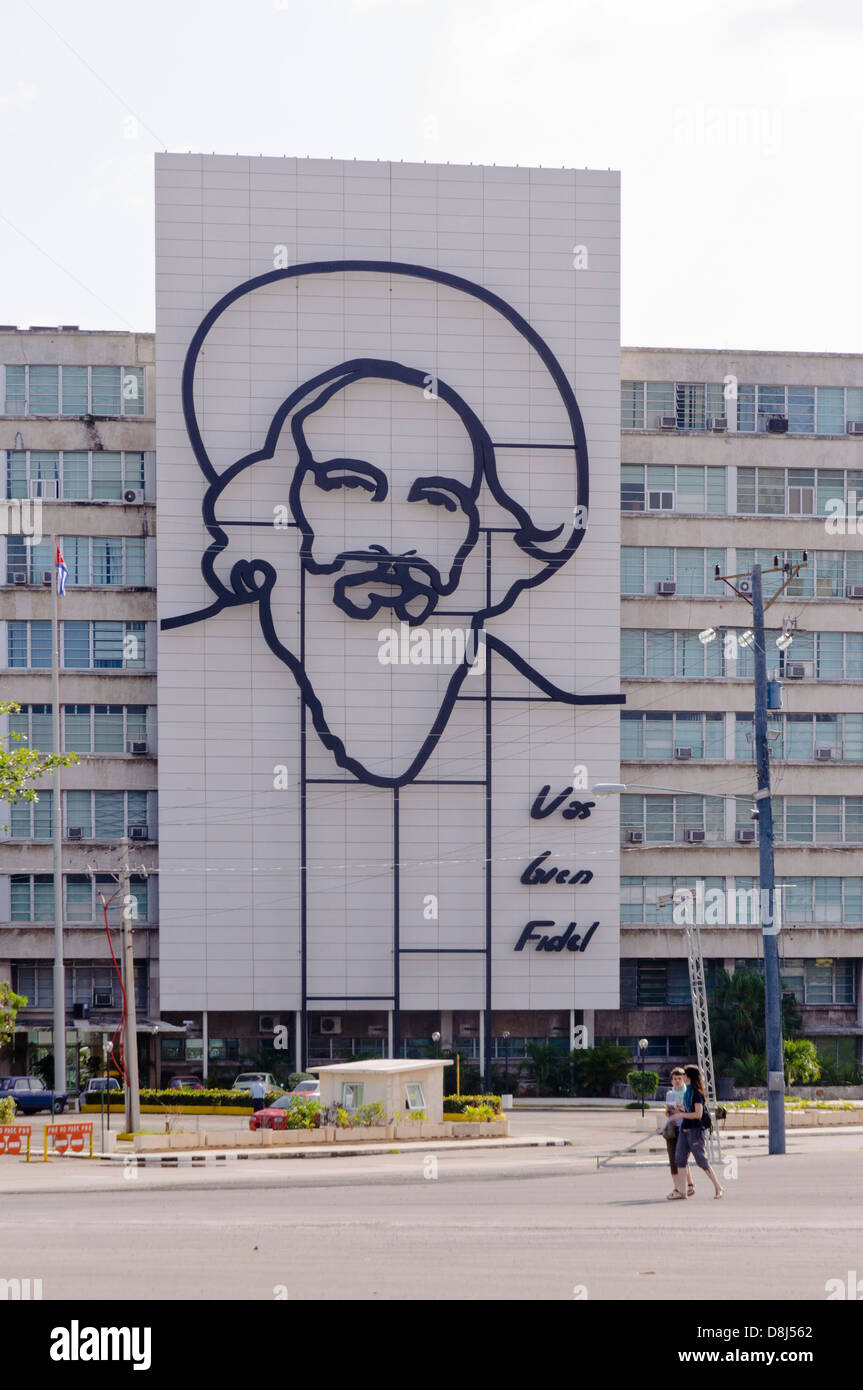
[388, 546]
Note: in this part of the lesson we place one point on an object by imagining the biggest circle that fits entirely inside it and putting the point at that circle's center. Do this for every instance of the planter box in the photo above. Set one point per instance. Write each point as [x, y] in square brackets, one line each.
[286, 1138]
[362, 1133]
[480, 1129]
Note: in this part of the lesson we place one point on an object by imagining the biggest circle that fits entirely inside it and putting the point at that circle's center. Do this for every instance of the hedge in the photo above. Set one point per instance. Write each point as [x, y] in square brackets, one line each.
[180, 1098]
[456, 1105]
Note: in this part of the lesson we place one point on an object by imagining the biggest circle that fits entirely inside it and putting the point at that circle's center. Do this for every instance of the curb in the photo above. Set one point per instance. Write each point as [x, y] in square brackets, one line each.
[198, 1160]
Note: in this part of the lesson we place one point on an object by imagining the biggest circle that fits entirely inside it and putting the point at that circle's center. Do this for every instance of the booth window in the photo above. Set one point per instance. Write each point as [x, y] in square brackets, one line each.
[352, 1096]
[415, 1096]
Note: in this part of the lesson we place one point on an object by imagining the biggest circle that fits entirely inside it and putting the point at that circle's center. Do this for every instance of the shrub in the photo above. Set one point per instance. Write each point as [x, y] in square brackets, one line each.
[372, 1114]
[595, 1069]
[644, 1088]
[7, 1110]
[479, 1112]
[749, 1070]
[179, 1099]
[303, 1114]
[456, 1105]
[801, 1061]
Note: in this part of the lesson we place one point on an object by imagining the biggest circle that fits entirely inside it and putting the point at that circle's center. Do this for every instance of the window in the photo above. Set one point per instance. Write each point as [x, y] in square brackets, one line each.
[352, 1095]
[658, 652]
[34, 726]
[650, 899]
[667, 819]
[819, 981]
[80, 476]
[31, 561]
[808, 409]
[819, 820]
[83, 903]
[106, 815]
[644, 568]
[32, 897]
[652, 983]
[31, 820]
[52, 390]
[99, 645]
[35, 979]
[692, 405]
[659, 735]
[415, 1098]
[29, 644]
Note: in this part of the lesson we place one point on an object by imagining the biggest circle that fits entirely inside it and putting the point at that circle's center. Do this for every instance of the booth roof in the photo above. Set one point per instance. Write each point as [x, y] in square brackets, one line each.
[386, 1065]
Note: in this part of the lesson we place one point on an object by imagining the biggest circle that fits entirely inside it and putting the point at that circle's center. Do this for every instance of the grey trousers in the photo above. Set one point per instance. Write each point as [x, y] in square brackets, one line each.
[691, 1142]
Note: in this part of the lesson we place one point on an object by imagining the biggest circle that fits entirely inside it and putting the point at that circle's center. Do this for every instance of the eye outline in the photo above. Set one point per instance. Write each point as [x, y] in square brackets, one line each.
[431, 489]
[364, 475]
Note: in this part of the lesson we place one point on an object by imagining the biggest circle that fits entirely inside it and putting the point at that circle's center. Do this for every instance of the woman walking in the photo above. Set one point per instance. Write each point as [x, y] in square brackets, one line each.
[691, 1137]
[673, 1099]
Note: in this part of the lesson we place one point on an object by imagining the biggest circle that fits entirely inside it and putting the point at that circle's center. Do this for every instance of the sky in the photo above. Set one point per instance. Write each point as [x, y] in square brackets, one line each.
[736, 128]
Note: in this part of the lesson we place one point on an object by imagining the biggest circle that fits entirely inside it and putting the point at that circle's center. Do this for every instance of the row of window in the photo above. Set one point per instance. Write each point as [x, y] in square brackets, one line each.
[47, 390]
[645, 569]
[87, 982]
[695, 490]
[829, 656]
[92, 561]
[73, 475]
[84, 728]
[662, 736]
[99, 646]
[696, 405]
[649, 899]
[666, 819]
[96, 815]
[31, 898]
[646, 983]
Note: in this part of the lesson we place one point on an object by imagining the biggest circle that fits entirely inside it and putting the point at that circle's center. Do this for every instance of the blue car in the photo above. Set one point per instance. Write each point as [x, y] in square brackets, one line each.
[31, 1095]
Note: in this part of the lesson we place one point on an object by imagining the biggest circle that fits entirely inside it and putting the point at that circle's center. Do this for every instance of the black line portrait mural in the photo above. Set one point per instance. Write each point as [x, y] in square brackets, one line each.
[371, 572]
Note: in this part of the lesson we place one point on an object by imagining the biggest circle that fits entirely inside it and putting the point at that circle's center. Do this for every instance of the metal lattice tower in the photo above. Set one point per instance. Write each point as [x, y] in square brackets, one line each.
[701, 1018]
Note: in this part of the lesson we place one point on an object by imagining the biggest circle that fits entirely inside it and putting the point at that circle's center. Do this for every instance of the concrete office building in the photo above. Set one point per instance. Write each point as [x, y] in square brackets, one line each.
[368, 867]
[729, 457]
[77, 461]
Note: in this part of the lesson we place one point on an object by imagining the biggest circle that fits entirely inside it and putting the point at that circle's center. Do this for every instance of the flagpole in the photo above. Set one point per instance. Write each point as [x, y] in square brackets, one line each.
[57, 836]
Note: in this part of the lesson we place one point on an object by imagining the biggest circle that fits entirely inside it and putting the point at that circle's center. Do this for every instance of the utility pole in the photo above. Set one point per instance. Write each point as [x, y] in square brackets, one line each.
[769, 914]
[59, 1014]
[130, 1042]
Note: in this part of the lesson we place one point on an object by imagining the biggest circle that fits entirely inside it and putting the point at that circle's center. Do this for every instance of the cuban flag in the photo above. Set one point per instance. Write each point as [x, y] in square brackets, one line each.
[62, 573]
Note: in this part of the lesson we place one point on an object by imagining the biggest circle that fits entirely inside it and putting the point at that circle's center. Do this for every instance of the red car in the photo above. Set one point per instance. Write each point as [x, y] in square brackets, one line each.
[273, 1116]
[185, 1083]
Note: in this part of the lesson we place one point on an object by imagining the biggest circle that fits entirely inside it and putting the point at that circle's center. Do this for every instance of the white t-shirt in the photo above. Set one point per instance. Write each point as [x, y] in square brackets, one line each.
[671, 1098]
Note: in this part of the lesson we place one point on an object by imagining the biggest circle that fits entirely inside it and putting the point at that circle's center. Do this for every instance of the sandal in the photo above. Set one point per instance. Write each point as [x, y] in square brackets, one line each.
[719, 1193]
[690, 1191]
[675, 1197]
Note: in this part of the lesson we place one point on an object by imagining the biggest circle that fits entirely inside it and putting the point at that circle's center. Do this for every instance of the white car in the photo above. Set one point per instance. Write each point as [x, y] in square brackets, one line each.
[245, 1080]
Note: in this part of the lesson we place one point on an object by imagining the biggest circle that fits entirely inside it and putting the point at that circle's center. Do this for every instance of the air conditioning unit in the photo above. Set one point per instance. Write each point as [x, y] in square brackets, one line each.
[635, 837]
[744, 586]
[268, 1023]
[74, 832]
[43, 489]
[745, 836]
[48, 577]
[103, 998]
[719, 424]
[133, 494]
[777, 424]
[139, 832]
[825, 754]
[695, 837]
[331, 1023]
[19, 576]
[683, 753]
[138, 747]
[468, 1030]
[666, 587]
[667, 422]
[855, 426]
[795, 670]
[854, 591]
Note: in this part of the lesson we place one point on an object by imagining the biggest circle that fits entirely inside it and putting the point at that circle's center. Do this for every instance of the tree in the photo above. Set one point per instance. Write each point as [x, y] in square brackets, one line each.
[737, 1028]
[596, 1069]
[802, 1063]
[21, 766]
[10, 1003]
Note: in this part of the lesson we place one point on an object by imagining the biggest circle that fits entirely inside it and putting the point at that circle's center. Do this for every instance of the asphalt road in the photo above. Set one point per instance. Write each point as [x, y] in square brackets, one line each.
[526, 1224]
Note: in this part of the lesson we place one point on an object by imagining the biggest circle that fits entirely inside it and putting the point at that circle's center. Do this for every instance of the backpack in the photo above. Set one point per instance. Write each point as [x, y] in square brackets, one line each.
[706, 1119]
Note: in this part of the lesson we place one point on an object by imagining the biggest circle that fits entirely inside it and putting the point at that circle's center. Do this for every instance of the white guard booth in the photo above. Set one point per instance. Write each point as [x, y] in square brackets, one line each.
[402, 1086]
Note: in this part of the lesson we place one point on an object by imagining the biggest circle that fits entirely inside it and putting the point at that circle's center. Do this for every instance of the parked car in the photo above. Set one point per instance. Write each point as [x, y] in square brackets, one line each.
[307, 1090]
[275, 1116]
[32, 1095]
[185, 1083]
[92, 1093]
[243, 1082]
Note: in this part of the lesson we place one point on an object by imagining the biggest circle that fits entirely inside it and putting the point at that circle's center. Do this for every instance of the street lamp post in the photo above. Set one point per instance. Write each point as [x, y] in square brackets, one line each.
[642, 1047]
[505, 1036]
